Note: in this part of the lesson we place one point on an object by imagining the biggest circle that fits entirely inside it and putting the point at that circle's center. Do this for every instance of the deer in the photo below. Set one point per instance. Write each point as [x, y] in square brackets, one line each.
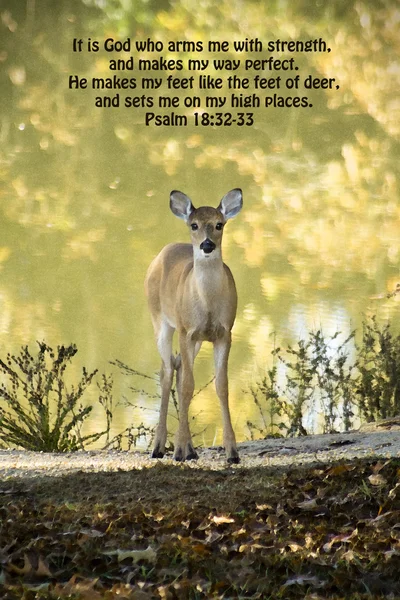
[192, 291]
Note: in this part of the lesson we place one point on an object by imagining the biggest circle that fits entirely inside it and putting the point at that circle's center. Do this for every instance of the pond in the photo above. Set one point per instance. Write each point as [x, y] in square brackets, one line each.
[85, 190]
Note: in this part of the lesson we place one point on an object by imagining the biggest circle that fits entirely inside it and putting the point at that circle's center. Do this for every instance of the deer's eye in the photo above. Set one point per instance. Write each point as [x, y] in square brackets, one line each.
[194, 226]
[219, 226]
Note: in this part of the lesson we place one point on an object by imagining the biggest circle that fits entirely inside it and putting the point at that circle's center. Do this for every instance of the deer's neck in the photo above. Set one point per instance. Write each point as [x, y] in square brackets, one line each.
[209, 277]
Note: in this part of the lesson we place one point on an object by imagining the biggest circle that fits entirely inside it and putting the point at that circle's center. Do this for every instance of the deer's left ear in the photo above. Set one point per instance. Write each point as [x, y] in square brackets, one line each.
[231, 203]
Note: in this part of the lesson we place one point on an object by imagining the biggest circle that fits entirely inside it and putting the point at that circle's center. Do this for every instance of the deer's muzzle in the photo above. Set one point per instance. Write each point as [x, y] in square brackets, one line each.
[207, 246]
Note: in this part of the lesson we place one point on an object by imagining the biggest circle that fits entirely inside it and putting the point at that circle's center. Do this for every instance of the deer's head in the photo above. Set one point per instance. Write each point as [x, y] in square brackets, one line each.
[206, 224]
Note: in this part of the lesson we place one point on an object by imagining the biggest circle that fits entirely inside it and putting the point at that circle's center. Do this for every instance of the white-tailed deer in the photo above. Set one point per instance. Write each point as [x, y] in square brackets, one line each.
[191, 290]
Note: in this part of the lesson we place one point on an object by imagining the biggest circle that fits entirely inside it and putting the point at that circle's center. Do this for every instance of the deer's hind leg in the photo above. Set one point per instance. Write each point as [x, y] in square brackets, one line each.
[164, 337]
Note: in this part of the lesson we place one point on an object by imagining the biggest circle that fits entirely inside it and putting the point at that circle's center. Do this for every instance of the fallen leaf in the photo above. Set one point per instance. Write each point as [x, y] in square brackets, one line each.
[92, 533]
[304, 580]
[390, 553]
[340, 539]
[379, 466]
[213, 537]
[348, 556]
[264, 507]
[377, 520]
[338, 470]
[308, 504]
[201, 549]
[149, 554]
[377, 479]
[393, 491]
[38, 587]
[294, 546]
[33, 565]
[84, 588]
[222, 519]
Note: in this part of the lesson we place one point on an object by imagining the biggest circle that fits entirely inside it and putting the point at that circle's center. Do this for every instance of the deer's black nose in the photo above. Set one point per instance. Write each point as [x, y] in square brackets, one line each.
[207, 246]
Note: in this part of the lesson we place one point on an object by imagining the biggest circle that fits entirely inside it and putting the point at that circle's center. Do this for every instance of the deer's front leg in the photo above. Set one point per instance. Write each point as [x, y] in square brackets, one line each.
[221, 354]
[164, 344]
[183, 442]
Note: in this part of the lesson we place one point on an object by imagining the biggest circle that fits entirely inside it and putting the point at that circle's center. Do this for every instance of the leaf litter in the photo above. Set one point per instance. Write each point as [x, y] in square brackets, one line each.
[172, 532]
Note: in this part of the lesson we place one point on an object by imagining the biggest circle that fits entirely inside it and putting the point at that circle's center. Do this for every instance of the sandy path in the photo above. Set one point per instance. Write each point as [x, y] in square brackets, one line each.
[375, 440]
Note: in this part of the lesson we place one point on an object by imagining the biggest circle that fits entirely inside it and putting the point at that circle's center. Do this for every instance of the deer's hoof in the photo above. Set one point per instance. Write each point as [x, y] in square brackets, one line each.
[157, 453]
[178, 455]
[190, 453]
[234, 460]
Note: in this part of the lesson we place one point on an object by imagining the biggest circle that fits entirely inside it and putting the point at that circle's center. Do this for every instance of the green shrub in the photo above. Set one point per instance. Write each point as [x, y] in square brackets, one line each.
[271, 406]
[38, 411]
[317, 380]
[378, 364]
[331, 380]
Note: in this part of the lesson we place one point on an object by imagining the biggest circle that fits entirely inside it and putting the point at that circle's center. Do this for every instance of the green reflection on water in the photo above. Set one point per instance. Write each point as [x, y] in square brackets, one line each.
[84, 200]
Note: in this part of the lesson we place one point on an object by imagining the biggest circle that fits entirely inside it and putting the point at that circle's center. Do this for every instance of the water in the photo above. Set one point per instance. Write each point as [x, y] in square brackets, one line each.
[85, 191]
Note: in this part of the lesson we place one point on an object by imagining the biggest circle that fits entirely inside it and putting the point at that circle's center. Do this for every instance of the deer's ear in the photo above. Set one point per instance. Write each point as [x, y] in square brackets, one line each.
[181, 205]
[231, 203]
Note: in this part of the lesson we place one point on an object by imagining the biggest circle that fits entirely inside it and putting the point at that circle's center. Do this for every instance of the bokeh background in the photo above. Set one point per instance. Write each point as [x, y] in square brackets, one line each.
[84, 190]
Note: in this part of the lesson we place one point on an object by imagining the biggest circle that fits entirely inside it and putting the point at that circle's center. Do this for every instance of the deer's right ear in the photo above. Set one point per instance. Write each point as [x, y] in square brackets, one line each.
[181, 205]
